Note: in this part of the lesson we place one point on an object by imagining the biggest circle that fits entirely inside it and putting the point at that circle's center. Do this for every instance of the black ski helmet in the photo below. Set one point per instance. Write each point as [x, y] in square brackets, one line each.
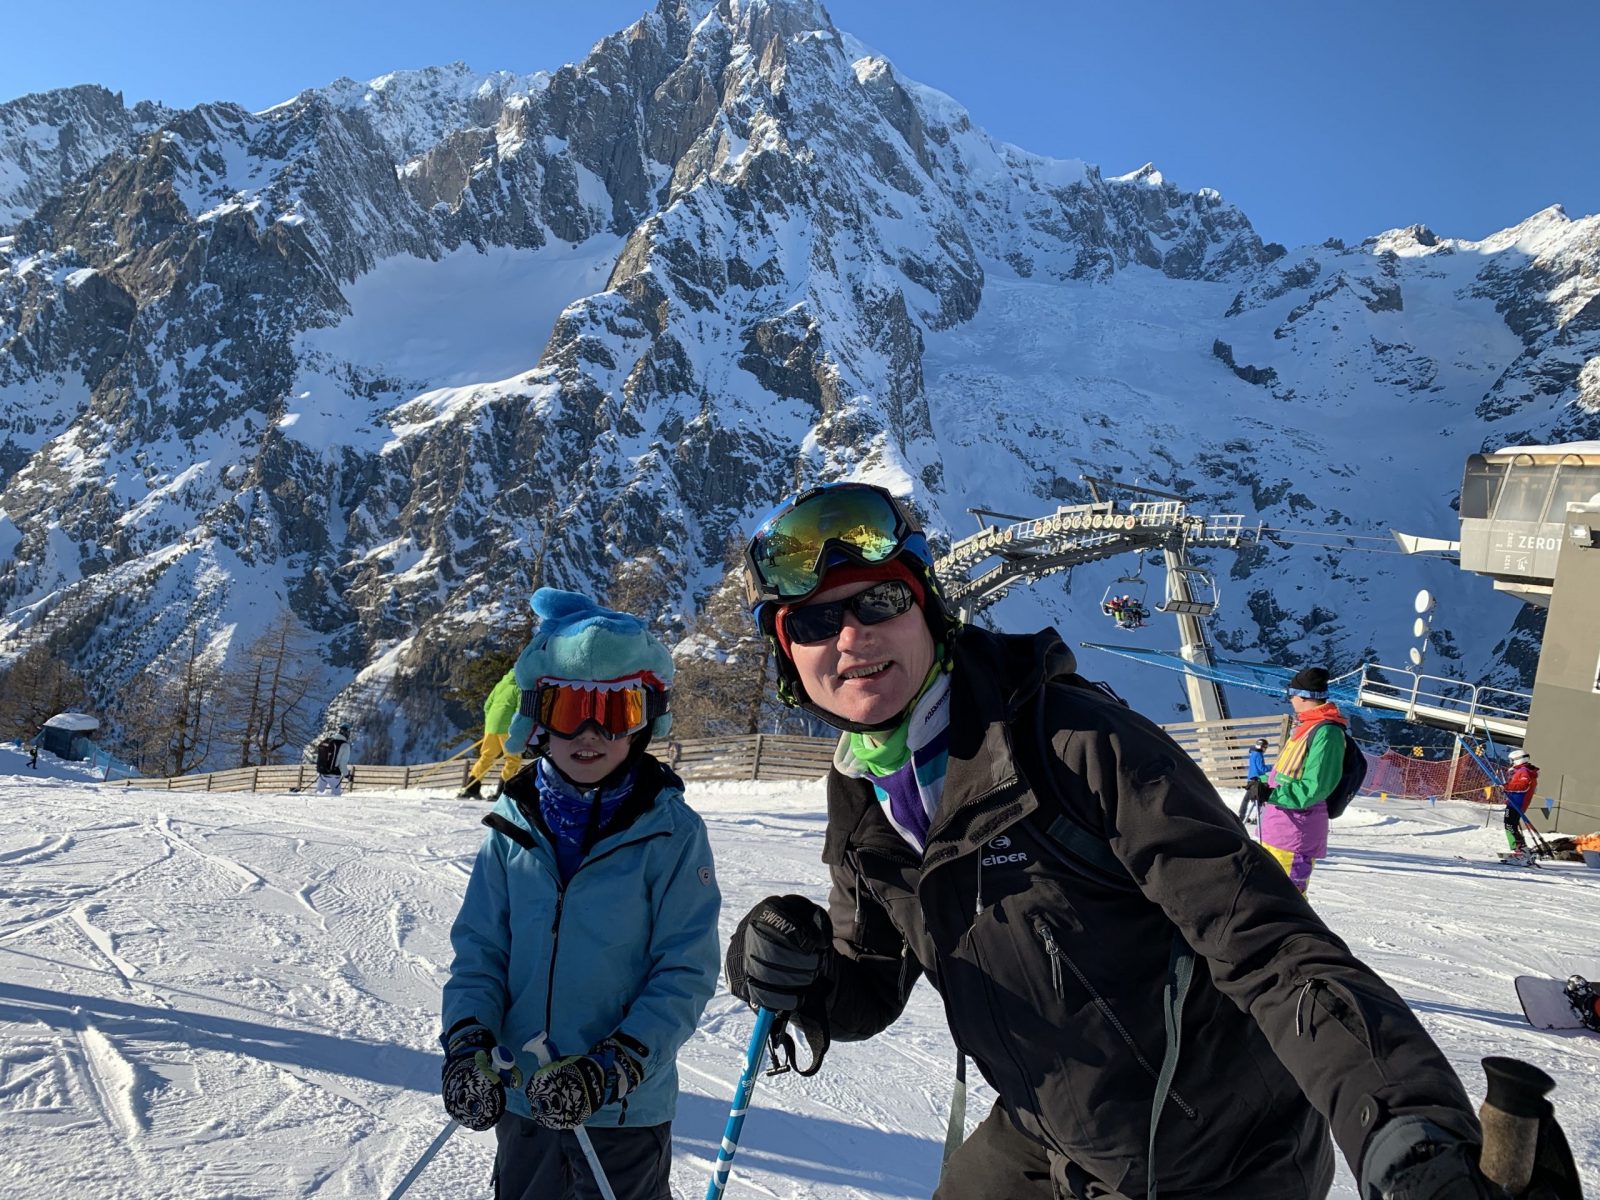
[870, 527]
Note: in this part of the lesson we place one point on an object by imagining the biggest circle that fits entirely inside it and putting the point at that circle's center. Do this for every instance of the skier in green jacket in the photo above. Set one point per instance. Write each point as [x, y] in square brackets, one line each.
[498, 709]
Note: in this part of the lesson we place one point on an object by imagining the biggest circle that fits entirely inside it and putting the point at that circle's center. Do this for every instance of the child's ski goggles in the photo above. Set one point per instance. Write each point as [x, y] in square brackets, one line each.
[795, 546]
[616, 708]
[871, 606]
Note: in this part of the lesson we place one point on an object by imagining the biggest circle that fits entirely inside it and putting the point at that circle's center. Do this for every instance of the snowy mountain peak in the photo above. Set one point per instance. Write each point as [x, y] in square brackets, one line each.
[49, 138]
[392, 353]
[1146, 174]
[1545, 229]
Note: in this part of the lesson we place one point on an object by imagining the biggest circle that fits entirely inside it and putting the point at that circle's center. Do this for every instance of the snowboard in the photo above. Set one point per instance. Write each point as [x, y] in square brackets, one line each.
[1545, 1003]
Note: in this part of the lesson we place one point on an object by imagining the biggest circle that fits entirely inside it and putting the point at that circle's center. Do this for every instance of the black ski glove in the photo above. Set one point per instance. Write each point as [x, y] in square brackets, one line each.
[1411, 1158]
[781, 954]
[474, 1086]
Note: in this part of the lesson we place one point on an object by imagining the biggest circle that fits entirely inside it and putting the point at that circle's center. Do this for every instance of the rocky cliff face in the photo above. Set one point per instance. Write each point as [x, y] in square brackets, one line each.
[384, 351]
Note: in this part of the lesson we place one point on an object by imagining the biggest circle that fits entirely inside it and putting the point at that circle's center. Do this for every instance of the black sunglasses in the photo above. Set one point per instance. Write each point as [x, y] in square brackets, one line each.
[871, 606]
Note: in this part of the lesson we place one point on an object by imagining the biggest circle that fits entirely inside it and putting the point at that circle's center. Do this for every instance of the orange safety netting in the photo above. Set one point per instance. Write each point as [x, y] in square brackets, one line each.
[1395, 774]
[1589, 841]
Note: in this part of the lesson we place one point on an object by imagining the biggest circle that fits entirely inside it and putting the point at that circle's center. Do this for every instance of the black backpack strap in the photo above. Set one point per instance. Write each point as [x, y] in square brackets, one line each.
[1089, 853]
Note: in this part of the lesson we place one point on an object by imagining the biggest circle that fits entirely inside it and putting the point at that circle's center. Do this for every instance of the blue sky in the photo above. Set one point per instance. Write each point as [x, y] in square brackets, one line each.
[1336, 118]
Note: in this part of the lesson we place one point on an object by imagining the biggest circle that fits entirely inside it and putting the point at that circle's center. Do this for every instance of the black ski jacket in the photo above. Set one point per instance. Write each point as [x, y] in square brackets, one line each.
[1052, 974]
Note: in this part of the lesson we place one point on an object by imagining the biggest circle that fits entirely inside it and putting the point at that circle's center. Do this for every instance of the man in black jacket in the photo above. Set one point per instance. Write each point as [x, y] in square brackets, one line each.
[1065, 876]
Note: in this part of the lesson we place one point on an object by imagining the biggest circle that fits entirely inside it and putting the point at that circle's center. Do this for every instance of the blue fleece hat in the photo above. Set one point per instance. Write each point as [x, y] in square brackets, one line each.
[579, 640]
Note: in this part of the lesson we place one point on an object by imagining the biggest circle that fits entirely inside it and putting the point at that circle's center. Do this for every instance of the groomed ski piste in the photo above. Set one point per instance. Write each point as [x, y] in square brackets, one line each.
[235, 996]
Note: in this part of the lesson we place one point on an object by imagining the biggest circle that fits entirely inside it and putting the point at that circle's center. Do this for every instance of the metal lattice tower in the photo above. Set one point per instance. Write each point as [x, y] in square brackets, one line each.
[1031, 549]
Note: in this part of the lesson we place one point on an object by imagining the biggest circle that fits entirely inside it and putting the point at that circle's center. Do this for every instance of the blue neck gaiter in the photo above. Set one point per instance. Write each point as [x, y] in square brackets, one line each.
[576, 816]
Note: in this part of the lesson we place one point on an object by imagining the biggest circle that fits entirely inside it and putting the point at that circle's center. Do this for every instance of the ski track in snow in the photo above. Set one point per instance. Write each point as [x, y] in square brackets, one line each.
[103, 942]
[251, 879]
[33, 854]
[114, 1080]
[237, 996]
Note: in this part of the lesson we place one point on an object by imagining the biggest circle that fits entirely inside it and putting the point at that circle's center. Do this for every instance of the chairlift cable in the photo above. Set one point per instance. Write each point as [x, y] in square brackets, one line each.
[1368, 537]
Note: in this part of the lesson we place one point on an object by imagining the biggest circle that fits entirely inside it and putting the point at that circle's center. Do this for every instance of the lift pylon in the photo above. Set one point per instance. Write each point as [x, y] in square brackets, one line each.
[980, 569]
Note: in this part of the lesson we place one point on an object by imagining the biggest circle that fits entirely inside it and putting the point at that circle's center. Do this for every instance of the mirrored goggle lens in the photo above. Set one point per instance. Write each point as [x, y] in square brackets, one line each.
[788, 548]
[818, 622]
[564, 709]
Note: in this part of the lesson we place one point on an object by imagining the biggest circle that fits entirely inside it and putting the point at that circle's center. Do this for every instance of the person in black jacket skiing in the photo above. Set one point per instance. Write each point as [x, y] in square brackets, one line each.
[1053, 863]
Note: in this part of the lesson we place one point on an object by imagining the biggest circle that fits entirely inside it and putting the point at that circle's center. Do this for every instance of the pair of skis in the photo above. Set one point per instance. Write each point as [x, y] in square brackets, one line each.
[755, 1055]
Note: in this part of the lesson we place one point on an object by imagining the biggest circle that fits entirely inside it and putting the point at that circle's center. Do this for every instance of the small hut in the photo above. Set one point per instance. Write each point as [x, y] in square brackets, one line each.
[67, 735]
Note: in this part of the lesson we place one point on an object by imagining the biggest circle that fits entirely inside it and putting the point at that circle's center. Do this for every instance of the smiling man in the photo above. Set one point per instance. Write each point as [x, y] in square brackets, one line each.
[1069, 881]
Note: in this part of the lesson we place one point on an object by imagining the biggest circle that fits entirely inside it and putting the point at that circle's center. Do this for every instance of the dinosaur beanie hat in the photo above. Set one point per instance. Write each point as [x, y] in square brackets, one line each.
[577, 639]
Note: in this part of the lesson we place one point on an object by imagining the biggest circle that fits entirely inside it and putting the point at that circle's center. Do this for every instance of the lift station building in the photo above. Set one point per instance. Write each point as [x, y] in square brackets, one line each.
[1530, 521]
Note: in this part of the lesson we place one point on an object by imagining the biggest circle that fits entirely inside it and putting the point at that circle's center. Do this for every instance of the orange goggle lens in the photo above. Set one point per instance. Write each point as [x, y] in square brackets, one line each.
[616, 710]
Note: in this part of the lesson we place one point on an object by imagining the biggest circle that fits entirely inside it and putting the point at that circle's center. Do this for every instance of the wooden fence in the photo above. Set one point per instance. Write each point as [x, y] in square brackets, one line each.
[294, 777]
[758, 756]
[1220, 747]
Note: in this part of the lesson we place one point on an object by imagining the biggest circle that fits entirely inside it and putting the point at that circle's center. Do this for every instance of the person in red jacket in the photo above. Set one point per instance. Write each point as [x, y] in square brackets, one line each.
[1519, 787]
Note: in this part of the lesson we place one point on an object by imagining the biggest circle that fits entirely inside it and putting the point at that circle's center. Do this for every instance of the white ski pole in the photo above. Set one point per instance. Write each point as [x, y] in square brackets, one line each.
[587, 1147]
[427, 1157]
[539, 1046]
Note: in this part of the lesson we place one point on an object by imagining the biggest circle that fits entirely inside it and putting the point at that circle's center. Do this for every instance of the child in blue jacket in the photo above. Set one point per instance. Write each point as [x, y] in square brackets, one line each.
[587, 941]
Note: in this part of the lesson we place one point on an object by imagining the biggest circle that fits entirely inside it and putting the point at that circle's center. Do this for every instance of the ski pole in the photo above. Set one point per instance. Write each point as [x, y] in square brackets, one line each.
[427, 1157]
[1510, 1119]
[544, 1054]
[1544, 847]
[587, 1147]
[755, 1053]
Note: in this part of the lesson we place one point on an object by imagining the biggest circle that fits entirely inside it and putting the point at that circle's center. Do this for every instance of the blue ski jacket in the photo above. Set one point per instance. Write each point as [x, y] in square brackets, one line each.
[628, 945]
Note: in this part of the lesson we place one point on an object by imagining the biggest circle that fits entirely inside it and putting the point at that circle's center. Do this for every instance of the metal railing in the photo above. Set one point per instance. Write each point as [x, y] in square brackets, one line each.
[1448, 703]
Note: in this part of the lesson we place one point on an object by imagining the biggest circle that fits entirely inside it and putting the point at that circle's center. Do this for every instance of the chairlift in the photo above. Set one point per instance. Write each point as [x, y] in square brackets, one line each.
[1124, 599]
[1191, 592]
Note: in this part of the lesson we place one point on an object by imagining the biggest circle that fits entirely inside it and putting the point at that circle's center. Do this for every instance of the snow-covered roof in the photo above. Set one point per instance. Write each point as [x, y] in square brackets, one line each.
[76, 722]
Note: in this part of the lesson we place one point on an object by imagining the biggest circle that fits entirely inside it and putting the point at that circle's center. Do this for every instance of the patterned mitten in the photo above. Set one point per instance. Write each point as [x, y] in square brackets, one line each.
[568, 1091]
[476, 1074]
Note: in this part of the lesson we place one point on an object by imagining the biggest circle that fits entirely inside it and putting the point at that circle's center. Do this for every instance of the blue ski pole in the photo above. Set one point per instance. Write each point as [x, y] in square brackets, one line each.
[427, 1157]
[754, 1055]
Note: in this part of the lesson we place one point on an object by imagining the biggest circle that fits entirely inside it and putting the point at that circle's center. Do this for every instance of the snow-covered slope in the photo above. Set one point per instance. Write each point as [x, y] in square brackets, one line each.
[236, 995]
[382, 352]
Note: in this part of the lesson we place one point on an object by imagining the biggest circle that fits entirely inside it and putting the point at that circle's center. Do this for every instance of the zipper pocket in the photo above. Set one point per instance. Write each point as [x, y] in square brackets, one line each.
[1054, 952]
[1338, 1002]
[1060, 958]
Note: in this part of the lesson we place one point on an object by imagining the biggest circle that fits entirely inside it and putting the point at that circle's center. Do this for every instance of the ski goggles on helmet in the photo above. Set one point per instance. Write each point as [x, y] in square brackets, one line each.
[872, 606]
[617, 708]
[838, 522]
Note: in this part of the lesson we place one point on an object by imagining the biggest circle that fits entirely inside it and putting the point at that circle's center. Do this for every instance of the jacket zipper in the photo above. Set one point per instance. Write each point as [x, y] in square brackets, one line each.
[555, 948]
[555, 927]
[1054, 952]
[1058, 957]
